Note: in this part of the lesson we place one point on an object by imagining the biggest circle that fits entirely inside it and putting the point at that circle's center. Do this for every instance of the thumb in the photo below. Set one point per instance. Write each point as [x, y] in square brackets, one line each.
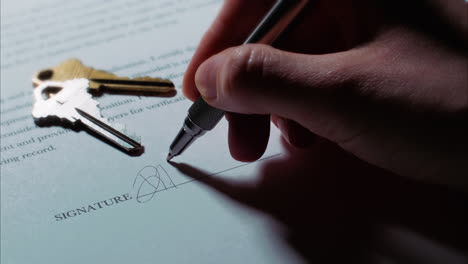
[258, 79]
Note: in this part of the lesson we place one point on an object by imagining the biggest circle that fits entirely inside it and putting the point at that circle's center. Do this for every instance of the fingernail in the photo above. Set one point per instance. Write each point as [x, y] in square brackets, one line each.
[207, 75]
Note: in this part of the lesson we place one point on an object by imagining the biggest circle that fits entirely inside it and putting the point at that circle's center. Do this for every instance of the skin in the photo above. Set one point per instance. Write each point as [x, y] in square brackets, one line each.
[382, 84]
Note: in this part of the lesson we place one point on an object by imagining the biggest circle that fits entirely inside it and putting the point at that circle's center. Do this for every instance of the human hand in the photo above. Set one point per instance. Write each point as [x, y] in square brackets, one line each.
[386, 87]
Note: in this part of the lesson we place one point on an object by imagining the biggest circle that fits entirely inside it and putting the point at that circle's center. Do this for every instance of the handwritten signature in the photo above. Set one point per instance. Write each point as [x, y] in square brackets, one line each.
[149, 181]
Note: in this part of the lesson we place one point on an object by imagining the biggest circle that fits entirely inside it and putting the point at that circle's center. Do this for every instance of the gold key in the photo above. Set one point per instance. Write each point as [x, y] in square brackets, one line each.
[98, 79]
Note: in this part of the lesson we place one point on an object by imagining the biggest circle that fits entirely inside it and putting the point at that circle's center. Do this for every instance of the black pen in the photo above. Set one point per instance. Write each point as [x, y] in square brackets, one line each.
[203, 117]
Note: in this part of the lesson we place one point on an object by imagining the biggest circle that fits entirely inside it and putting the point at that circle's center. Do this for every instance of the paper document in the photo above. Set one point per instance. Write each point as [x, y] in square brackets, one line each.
[67, 196]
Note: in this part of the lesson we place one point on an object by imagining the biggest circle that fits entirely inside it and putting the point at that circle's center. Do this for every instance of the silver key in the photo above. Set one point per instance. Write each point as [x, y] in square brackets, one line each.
[72, 103]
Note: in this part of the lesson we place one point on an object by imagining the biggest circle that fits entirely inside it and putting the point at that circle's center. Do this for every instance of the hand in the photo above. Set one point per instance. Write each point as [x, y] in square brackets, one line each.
[390, 89]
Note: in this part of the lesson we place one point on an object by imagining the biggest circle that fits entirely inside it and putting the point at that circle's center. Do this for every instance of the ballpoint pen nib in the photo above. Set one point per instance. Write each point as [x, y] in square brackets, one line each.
[169, 157]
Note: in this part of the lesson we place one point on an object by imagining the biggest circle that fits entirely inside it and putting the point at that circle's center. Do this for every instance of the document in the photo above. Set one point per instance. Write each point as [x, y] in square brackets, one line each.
[67, 196]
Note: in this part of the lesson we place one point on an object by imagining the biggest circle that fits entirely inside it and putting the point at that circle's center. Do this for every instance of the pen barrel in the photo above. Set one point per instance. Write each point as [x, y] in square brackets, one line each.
[204, 115]
[276, 21]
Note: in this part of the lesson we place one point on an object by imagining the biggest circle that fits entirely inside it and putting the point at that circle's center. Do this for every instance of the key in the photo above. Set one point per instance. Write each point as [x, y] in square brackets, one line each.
[72, 103]
[98, 79]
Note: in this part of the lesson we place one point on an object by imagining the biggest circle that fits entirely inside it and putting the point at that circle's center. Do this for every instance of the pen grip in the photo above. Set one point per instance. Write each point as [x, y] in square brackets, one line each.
[204, 115]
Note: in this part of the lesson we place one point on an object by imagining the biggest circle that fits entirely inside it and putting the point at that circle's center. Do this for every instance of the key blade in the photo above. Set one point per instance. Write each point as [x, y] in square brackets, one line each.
[153, 85]
[119, 138]
[109, 81]
[136, 82]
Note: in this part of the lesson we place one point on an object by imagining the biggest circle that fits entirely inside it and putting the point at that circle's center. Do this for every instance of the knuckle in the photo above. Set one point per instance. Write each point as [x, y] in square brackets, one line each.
[244, 65]
[358, 75]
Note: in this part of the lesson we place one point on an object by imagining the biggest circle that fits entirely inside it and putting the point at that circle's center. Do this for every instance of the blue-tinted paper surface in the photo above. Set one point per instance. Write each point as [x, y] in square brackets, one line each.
[66, 196]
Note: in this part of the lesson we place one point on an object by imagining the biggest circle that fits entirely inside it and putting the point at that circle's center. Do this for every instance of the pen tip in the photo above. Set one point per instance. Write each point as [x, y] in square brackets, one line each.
[169, 157]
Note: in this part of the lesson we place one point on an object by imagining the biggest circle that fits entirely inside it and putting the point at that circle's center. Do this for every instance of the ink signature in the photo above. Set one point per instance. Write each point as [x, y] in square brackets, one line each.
[149, 181]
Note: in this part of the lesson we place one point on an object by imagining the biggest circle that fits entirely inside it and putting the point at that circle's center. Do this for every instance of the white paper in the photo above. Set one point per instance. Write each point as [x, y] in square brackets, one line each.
[48, 173]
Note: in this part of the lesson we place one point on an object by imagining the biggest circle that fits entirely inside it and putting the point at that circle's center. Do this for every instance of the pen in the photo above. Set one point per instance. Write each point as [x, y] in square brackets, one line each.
[201, 116]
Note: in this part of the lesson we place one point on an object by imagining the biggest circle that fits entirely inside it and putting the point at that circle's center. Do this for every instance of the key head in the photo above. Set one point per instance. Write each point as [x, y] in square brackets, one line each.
[61, 104]
[68, 70]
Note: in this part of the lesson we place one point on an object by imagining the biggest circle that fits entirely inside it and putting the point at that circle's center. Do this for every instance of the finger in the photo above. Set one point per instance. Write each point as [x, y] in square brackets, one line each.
[226, 31]
[312, 90]
[248, 136]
